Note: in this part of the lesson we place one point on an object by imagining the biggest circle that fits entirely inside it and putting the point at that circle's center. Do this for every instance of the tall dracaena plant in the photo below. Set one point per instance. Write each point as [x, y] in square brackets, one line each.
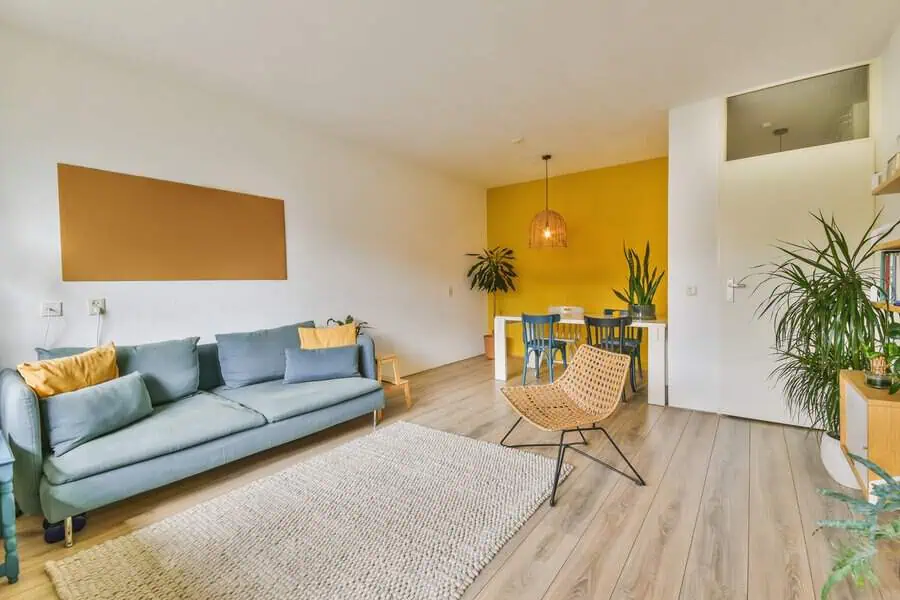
[817, 298]
[642, 282]
[493, 272]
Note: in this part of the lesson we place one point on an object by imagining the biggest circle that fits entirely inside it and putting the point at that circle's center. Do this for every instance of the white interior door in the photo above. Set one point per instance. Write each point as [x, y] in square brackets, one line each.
[763, 200]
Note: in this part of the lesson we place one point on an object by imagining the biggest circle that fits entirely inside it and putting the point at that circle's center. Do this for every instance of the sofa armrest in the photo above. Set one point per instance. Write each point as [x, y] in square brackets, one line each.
[366, 355]
[20, 420]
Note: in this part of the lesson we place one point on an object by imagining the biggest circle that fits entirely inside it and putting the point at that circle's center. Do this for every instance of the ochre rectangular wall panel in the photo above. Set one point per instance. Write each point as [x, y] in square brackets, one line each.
[117, 227]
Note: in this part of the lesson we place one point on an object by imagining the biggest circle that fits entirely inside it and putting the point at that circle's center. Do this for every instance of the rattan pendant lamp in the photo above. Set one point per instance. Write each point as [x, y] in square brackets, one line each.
[548, 228]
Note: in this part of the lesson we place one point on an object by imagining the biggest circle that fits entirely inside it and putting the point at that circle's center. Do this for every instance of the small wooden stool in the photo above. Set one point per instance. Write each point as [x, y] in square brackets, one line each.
[390, 360]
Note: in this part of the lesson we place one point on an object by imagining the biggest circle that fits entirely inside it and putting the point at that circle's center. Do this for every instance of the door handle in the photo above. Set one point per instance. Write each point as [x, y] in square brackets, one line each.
[732, 285]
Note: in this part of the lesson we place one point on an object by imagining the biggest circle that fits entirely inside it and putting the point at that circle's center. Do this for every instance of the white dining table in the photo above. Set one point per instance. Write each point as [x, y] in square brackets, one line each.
[657, 354]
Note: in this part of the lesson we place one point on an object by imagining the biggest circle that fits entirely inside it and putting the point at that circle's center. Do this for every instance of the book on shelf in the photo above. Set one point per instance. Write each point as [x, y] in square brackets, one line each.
[889, 266]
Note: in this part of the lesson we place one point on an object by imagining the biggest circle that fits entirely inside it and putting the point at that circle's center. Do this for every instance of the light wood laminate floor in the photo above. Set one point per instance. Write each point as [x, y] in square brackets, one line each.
[729, 510]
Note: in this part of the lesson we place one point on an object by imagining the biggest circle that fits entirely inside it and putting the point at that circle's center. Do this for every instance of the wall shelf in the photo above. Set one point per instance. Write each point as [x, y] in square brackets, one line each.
[891, 186]
[882, 305]
[886, 246]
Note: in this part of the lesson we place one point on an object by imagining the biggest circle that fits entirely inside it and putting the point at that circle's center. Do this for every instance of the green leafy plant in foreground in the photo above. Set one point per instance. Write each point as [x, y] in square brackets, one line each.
[875, 525]
[642, 282]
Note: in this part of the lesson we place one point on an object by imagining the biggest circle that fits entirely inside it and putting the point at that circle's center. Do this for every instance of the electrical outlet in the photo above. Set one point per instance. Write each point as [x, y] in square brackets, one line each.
[692, 290]
[97, 306]
[52, 309]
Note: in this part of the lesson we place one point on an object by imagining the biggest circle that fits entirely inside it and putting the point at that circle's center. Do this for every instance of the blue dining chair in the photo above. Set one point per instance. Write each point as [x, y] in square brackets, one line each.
[631, 345]
[539, 337]
[608, 333]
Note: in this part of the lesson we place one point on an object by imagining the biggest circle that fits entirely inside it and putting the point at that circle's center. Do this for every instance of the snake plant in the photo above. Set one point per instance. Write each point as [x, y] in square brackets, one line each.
[642, 282]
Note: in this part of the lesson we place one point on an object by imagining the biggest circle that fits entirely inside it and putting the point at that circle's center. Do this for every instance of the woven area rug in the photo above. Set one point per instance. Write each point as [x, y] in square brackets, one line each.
[404, 513]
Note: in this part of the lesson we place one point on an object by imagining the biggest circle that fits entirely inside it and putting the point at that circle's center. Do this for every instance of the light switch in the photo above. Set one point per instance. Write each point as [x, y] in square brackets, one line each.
[52, 309]
[692, 290]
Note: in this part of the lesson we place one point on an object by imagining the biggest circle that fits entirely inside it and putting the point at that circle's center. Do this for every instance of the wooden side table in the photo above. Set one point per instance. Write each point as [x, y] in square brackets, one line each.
[10, 568]
[390, 360]
[870, 427]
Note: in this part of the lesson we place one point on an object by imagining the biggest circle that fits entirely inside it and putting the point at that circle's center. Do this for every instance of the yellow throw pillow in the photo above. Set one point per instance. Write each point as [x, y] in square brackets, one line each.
[314, 338]
[58, 375]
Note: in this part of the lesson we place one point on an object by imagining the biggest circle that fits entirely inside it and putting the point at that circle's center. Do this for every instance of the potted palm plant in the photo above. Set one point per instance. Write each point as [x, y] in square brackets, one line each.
[494, 273]
[816, 295]
[642, 284]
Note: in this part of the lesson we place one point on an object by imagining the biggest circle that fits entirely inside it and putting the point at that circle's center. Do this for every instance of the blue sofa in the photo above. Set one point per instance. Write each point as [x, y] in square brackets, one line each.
[209, 428]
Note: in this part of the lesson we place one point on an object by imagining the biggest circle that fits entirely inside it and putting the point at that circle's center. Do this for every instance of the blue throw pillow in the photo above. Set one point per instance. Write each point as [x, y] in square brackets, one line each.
[254, 356]
[171, 369]
[73, 418]
[316, 365]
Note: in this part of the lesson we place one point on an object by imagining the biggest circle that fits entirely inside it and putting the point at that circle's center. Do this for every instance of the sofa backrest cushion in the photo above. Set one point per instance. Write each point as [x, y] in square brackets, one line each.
[320, 364]
[210, 374]
[255, 356]
[171, 369]
[73, 418]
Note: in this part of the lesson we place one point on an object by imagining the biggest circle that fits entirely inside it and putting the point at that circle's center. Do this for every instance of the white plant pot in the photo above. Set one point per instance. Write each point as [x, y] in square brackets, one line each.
[835, 463]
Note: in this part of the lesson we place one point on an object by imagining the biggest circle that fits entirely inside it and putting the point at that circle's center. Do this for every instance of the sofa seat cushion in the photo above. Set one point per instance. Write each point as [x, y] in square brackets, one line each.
[171, 427]
[277, 400]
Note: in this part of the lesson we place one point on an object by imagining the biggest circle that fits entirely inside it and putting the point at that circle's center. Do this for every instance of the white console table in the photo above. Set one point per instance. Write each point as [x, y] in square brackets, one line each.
[657, 355]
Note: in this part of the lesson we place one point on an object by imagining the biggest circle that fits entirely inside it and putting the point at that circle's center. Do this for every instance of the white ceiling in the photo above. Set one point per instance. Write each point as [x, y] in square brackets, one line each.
[450, 83]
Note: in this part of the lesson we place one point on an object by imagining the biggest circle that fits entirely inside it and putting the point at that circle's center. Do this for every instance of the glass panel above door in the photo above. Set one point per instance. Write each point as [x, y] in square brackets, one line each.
[821, 110]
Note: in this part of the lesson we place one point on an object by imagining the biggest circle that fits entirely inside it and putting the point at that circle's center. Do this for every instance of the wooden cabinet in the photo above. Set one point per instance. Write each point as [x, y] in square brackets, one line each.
[870, 426]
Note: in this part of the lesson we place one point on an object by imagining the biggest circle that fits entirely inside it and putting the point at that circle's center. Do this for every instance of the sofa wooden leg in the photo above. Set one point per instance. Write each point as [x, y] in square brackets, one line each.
[56, 532]
[69, 533]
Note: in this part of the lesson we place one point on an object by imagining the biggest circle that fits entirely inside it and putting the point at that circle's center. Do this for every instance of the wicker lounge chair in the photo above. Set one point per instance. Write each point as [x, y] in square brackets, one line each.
[587, 393]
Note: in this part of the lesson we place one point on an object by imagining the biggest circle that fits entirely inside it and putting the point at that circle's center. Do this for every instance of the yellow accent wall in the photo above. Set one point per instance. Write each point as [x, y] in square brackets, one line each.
[602, 208]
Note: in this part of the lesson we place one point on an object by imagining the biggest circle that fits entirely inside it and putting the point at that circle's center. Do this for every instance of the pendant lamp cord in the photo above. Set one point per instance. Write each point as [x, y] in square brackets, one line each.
[547, 190]
[546, 184]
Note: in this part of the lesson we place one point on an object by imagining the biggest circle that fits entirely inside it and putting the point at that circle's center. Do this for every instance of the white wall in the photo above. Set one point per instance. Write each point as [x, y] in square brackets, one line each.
[887, 131]
[367, 234]
[696, 151]
[887, 128]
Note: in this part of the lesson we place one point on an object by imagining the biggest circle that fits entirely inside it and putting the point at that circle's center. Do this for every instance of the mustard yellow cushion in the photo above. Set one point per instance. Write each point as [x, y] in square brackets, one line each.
[59, 375]
[314, 338]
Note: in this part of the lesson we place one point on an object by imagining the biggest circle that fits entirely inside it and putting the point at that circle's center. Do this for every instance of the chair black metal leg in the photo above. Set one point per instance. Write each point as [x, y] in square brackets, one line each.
[625, 458]
[631, 376]
[559, 461]
[583, 439]
[516, 424]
